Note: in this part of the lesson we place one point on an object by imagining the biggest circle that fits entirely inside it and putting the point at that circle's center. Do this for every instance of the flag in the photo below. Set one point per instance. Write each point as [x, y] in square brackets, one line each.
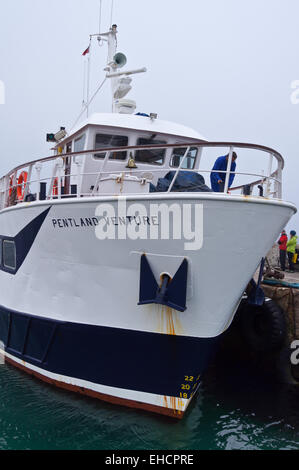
[86, 51]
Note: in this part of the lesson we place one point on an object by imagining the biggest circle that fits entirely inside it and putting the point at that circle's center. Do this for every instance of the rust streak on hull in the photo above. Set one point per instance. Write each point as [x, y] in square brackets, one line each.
[169, 321]
[176, 405]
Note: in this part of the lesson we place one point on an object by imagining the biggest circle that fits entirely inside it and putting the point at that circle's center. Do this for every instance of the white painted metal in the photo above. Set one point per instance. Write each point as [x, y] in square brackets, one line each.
[229, 163]
[127, 72]
[73, 269]
[268, 185]
[136, 123]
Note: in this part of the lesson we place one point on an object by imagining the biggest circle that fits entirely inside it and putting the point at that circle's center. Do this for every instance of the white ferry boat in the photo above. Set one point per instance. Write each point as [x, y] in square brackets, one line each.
[120, 267]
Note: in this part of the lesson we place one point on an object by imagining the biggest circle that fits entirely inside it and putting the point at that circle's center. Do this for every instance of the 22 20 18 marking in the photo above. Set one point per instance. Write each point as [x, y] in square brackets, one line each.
[187, 386]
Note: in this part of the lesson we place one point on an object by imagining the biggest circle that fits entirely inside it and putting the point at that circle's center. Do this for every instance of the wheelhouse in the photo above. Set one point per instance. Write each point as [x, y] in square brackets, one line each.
[120, 154]
[112, 131]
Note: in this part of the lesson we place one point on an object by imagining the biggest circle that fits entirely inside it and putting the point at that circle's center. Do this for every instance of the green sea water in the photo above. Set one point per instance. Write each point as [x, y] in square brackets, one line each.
[234, 409]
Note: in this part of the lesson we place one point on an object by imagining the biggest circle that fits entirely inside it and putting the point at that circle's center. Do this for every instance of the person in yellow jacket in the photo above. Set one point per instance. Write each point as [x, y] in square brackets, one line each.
[291, 249]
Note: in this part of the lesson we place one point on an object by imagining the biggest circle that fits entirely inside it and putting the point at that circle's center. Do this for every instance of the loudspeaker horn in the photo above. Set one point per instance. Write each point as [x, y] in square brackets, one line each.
[120, 60]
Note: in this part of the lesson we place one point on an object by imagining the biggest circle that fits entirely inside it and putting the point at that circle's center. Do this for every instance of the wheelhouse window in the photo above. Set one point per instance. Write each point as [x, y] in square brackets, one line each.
[153, 156]
[106, 141]
[178, 155]
[9, 254]
[79, 143]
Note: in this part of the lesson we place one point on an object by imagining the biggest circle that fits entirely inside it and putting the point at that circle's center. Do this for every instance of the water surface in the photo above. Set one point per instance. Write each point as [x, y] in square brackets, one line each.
[234, 409]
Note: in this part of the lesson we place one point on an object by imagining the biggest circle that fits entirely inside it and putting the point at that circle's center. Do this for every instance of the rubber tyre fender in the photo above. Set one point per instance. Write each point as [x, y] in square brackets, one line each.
[264, 327]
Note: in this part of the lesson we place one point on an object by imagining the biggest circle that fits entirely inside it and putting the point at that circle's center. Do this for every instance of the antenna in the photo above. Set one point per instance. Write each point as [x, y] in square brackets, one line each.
[100, 16]
[88, 79]
[112, 7]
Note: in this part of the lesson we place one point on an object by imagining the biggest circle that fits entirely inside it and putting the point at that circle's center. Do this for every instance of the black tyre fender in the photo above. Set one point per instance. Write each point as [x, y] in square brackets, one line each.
[264, 327]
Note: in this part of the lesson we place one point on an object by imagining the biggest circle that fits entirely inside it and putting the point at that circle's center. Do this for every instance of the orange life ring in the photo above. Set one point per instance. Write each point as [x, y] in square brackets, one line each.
[55, 187]
[22, 180]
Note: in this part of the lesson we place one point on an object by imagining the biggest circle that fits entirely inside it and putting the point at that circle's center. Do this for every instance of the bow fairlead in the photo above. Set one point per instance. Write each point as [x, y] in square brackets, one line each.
[171, 292]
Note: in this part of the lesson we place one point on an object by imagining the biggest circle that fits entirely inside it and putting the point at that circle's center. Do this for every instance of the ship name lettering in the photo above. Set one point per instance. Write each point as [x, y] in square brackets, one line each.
[94, 221]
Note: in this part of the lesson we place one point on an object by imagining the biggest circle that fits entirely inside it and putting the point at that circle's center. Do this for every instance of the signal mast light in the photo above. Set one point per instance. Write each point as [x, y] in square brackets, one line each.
[51, 138]
[58, 136]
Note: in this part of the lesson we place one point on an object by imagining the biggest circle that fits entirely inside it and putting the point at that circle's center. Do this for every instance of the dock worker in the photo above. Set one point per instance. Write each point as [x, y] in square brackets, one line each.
[282, 242]
[291, 249]
[218, 177]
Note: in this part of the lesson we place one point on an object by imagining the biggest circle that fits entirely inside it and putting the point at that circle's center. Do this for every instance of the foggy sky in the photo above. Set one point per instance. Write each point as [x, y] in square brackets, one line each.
[222, 67]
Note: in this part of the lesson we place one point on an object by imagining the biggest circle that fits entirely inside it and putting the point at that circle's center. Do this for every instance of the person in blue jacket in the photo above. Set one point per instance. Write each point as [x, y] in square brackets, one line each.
[218, 177]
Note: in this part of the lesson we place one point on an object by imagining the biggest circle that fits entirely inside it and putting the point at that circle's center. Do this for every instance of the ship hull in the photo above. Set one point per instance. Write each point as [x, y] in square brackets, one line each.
[142, 370]
[69, 310]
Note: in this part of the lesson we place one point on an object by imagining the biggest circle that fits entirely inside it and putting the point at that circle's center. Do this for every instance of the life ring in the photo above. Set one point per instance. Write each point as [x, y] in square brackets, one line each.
[22, 180]
[55, 187]
[264, 327]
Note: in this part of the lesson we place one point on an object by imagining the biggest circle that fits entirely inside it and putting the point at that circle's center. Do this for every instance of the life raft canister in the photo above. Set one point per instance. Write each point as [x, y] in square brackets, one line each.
[22, 180]
[55, 187]
[11, 185]
[264, 327]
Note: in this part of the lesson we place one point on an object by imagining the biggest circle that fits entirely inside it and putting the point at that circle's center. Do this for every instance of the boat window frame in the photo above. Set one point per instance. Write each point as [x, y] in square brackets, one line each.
[111, 159]
[73, 143]
[12, 242]
[146, 137]
[183, 152]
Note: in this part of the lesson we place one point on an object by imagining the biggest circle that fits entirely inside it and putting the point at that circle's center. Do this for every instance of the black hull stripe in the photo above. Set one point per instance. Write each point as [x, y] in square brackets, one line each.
[24, 241]
[133, 360]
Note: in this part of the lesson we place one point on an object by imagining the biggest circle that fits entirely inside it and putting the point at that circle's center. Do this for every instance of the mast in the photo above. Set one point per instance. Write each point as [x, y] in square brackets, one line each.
[120, 80]
[111, 64]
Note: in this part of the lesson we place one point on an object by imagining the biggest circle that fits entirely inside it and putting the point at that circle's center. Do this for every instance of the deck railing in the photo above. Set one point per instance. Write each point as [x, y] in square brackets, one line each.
[26, 182]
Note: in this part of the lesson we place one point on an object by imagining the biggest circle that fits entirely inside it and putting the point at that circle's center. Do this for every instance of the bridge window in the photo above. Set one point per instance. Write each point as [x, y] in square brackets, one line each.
[104, 141]
[9, 254]
[153, 157]
[79, 143]
[178, 155]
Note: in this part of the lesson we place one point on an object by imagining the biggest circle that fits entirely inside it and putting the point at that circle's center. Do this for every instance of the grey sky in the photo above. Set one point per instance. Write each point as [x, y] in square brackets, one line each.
[223, 67]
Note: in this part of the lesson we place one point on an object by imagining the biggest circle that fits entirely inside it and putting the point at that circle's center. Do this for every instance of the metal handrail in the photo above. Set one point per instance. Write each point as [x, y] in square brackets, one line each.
[58, 168]
[199, 144]
[152, 171]
[51, 196]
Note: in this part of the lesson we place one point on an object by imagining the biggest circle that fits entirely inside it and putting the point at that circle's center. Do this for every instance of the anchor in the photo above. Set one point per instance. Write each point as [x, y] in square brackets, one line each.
[172, 291]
